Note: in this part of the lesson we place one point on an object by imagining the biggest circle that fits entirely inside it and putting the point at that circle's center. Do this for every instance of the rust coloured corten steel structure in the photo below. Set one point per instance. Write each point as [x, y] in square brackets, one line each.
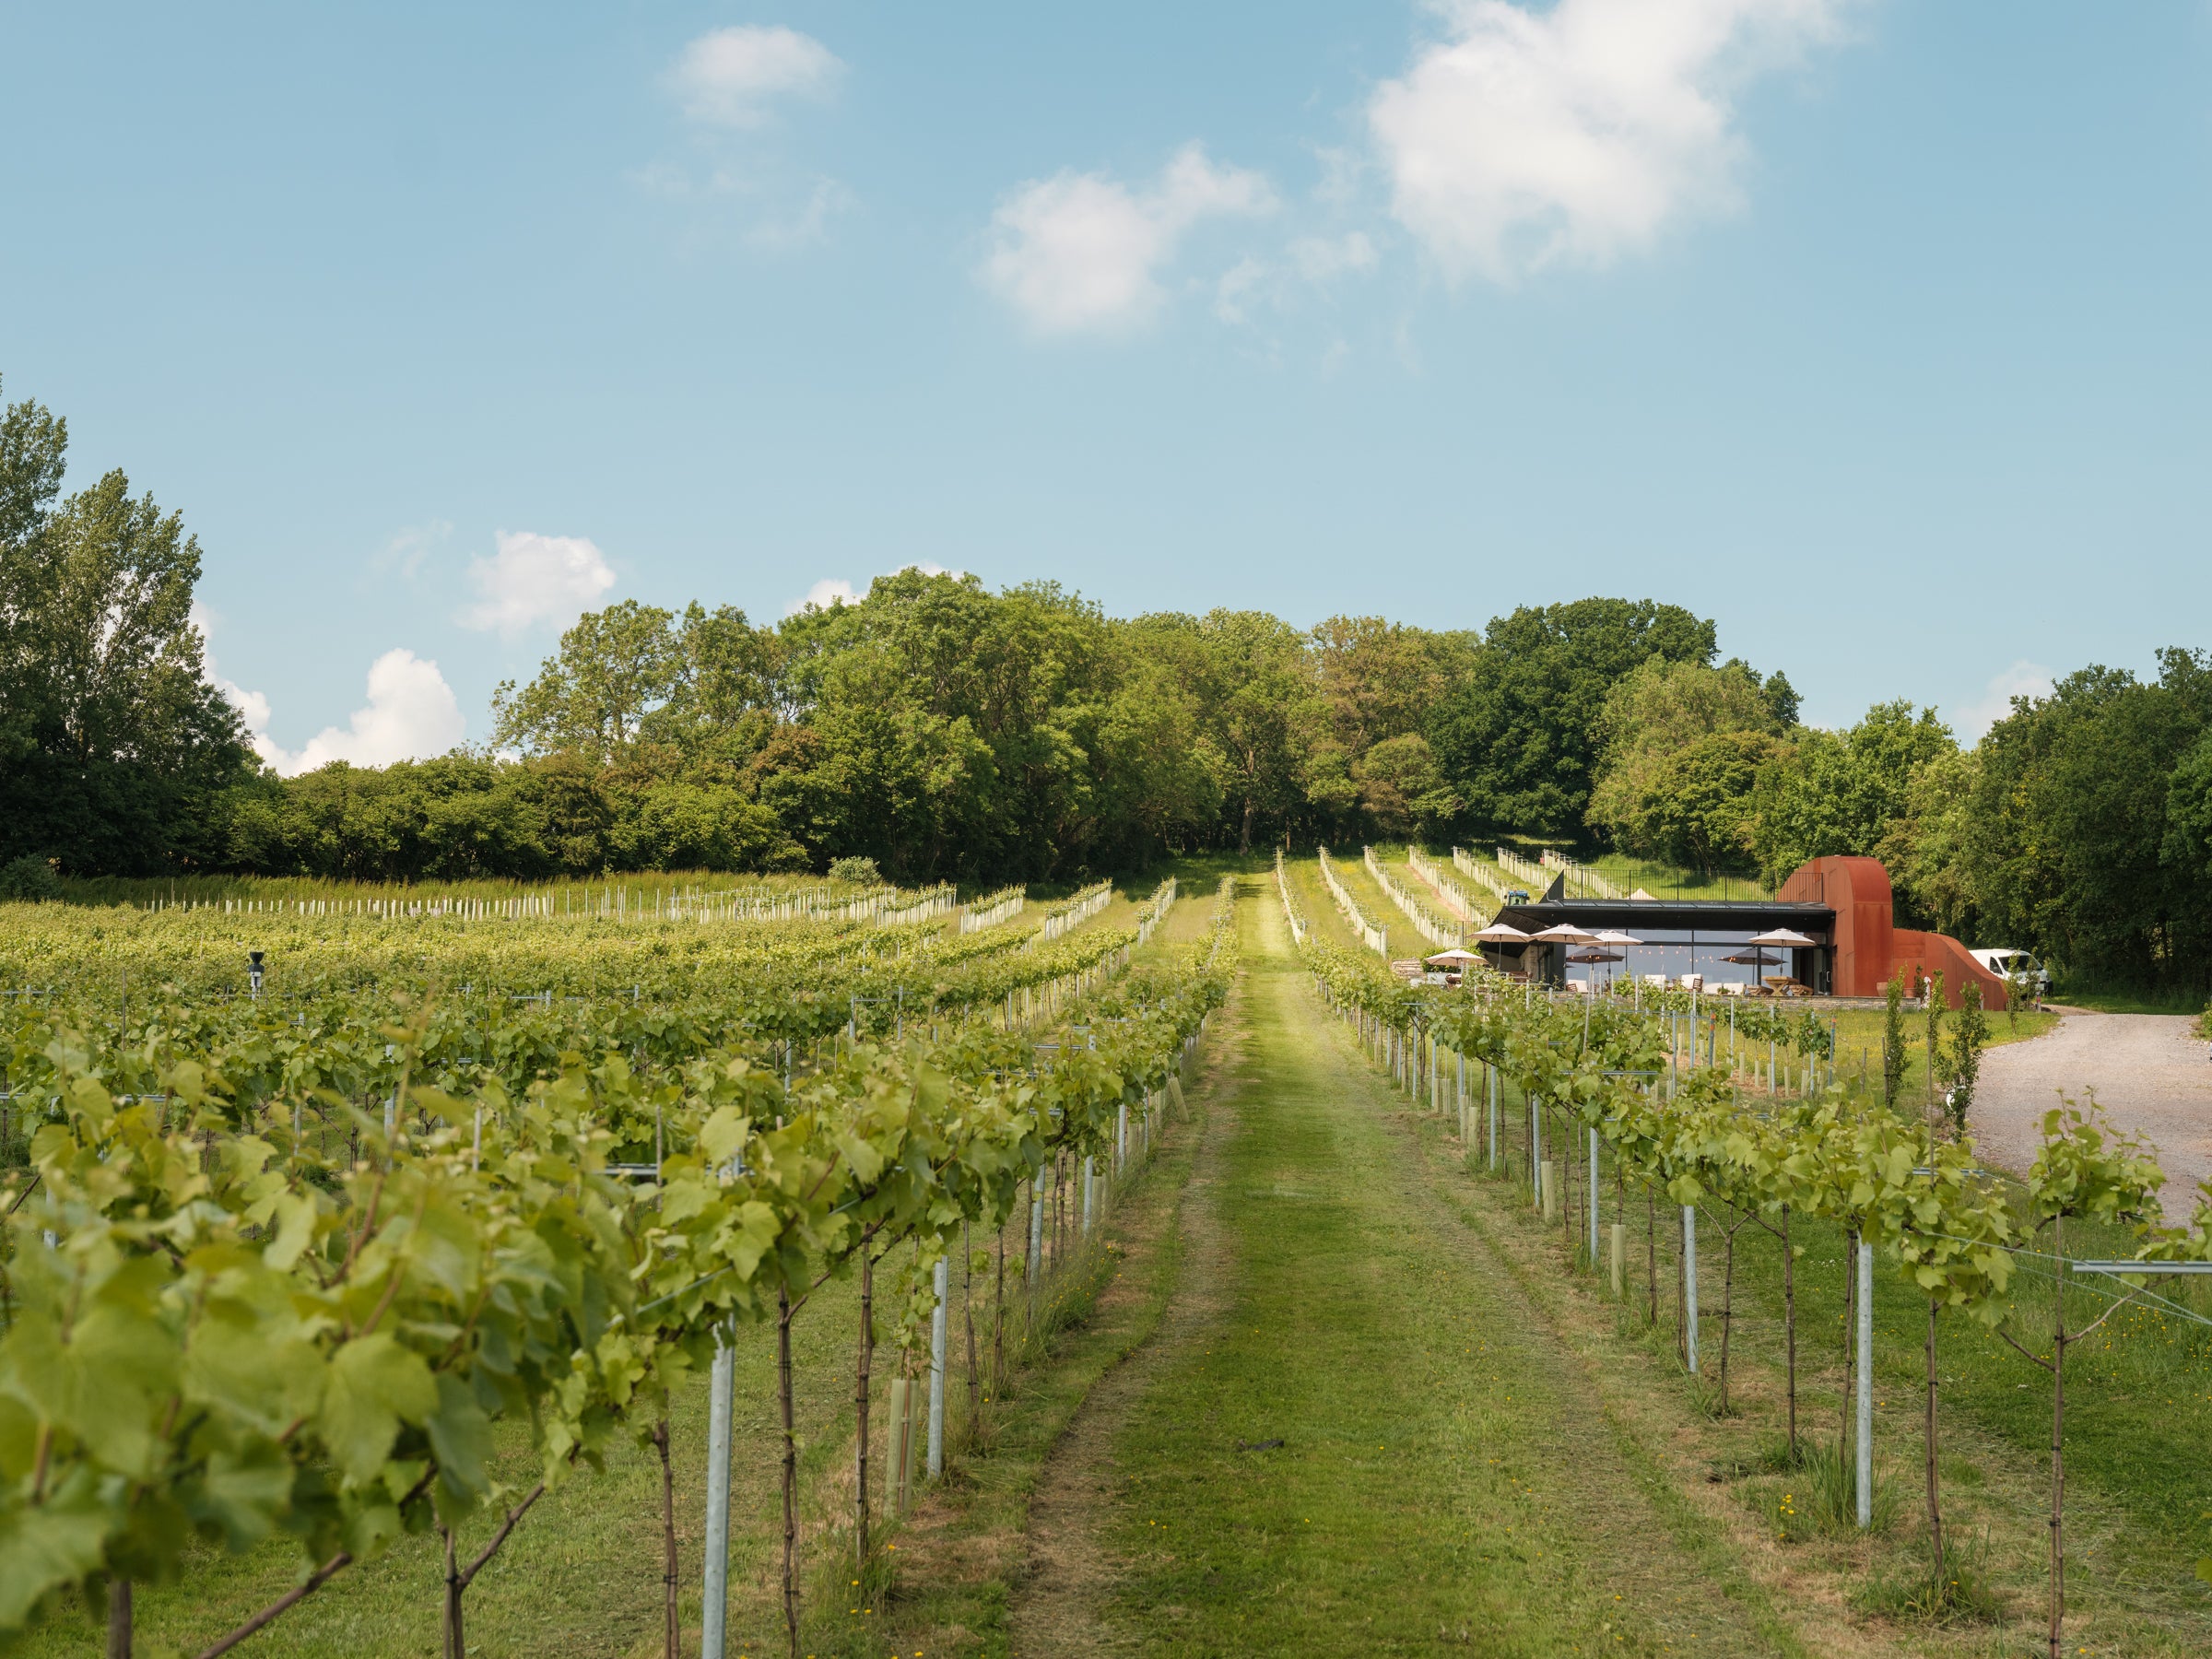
[1870, 948]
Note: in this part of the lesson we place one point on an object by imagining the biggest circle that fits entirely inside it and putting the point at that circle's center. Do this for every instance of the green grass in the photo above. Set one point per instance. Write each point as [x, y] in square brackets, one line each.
[1665, 880]
[2123, 1001]
[1444, 1478]
[2138, 1419]
[949, 1580]
[2138, 1428]
[1859, 1043]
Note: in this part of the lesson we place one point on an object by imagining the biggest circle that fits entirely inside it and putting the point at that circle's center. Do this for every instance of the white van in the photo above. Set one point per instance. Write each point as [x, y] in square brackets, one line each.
[2007, 963]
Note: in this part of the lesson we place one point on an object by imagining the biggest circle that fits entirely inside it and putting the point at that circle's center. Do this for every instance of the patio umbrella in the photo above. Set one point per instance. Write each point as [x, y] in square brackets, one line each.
[1782, 936]
[1753, 959]
[1595, 956]
[1502, 933]
[1612, 938]
[1566, 932]
[1454, 957]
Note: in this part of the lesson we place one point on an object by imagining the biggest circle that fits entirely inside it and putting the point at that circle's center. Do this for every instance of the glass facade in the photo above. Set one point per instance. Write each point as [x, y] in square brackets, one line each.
[1677, 952]
[1674, 939]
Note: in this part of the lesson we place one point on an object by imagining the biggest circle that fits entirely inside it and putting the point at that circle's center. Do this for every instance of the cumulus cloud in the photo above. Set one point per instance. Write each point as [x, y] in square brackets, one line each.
[732, 76]
[2024, 678]
[830, 591]
[1083, 252]
[835, 590]
[252, 706]
[411, 714]
[1576, 135]
[533, 579]
[254, 709]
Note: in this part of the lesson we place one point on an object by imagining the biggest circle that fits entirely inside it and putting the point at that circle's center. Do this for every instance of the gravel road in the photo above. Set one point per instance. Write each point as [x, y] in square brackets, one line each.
[2147, 1071]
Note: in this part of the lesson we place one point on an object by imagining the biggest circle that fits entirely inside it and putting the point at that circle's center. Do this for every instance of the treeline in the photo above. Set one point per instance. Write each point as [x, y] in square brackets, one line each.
[948, 733]
[2080, 826]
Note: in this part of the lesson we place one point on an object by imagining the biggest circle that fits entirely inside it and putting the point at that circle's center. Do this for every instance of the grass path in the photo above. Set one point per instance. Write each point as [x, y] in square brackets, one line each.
[1069, 1569]
[1444, 1475]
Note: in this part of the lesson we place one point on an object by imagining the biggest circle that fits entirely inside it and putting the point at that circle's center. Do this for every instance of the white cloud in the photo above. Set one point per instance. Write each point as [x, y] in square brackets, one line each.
[254, 709]
[2024, 678]
[1321, 259]
[832, 589]
[1340, 185]
[252, 706]
[780, 211]
[534, 579]
[829, 591]
[1083, 251]
[412, 713]
[729, 77]
[1236, 288]
[1576, 135]
[805, 224]
[1310, 262]
[407, 549]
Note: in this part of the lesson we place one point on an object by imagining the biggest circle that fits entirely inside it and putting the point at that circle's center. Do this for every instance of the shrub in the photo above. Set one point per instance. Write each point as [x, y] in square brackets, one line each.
[860, 872]
[29, 877]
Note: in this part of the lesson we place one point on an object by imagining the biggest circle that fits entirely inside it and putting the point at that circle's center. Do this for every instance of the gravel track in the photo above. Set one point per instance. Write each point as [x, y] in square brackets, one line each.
[2147, 1071]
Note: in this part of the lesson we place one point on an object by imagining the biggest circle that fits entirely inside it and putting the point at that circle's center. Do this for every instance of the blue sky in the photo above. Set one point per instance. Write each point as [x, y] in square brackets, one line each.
[1874, 329]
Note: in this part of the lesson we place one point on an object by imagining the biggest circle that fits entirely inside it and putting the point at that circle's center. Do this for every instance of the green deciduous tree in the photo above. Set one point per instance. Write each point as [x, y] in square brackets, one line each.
[1696, 805]
[614, 669]
[1839, 792]
[1368, 768]
[1664, 707]
[2085, 824]
[1927, 849]
[1519, 737]
[113, 747]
